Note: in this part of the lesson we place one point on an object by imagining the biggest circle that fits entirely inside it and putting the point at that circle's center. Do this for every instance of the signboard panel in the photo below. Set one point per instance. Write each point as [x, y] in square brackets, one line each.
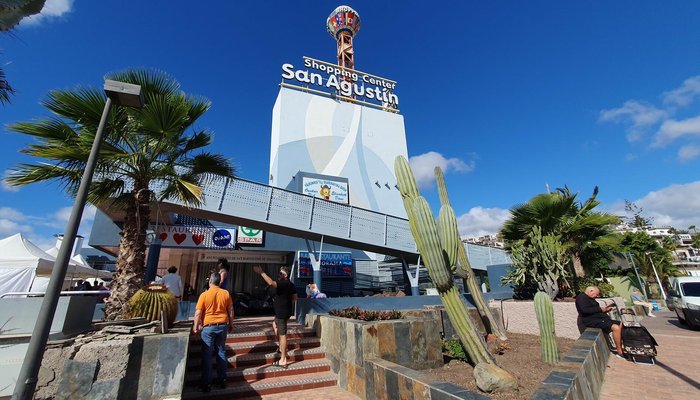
[196, 236]
[348, 83]
[243, 257]
[326, 189]
[337, 265]
[250, 236]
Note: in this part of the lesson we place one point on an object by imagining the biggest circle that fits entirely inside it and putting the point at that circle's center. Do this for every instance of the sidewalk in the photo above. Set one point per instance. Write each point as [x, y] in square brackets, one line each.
[676, 374]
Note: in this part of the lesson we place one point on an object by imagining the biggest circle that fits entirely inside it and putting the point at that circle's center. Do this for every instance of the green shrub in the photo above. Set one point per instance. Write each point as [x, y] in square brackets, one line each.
[365, 315]
[606, 289]
[454, 349]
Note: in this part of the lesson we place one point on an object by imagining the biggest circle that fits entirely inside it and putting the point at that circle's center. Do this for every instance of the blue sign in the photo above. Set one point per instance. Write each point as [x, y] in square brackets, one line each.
[338, 265]
[222, 237]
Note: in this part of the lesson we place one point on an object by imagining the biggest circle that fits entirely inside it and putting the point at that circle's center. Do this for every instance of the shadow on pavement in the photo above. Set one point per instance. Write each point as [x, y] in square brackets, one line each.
[680, 375]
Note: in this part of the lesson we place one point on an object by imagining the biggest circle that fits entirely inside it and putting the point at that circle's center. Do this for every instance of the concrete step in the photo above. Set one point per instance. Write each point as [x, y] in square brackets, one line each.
[265, 346]
[265, 386]
[260, 358]
[293, 332]
[256, 373]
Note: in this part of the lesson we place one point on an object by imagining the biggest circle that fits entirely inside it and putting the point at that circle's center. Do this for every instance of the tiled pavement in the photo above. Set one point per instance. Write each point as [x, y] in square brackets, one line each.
[676, 374]
[329, 393]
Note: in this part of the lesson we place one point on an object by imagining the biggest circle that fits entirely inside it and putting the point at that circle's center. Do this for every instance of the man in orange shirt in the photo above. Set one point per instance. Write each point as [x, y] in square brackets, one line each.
[214, 318]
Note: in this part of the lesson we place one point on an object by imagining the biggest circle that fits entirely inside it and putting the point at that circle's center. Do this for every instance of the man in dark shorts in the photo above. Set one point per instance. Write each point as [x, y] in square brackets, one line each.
[285, 296]
[594, 316]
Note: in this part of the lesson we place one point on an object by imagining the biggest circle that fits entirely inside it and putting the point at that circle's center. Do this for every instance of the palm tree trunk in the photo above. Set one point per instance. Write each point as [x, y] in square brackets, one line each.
[578, 266]
[131, 260]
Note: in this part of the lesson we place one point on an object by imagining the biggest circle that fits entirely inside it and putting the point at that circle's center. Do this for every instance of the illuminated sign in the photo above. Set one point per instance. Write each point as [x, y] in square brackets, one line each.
[346, 82]
[326, 189]
[333, 264]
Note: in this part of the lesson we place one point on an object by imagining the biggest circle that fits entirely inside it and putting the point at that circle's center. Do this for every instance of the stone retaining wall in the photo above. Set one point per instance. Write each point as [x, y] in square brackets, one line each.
[580, 373]
[114, 366]
[519, 317]
[387, 380]
[379, 359]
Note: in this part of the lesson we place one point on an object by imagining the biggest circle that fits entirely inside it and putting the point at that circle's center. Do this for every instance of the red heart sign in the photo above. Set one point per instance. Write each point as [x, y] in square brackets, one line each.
[179, 237]
[197, 239]
[163, 236]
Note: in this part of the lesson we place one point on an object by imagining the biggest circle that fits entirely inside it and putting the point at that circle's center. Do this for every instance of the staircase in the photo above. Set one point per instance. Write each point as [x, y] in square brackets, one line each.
[251, 350]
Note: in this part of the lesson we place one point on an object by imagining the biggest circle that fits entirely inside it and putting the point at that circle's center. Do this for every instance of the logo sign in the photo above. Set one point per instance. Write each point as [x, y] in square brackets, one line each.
[193, 236]
[338, 265]
[249, 235]
[222, 237]
[346, 82]
[326, 189]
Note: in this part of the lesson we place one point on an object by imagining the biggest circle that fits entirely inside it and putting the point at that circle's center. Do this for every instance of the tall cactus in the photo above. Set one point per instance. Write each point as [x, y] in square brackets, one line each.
[463, 268]
[545, 319]
[437, 251]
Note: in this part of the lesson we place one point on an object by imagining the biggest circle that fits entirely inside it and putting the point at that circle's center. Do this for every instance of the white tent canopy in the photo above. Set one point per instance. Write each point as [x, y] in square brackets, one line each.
[25, 267]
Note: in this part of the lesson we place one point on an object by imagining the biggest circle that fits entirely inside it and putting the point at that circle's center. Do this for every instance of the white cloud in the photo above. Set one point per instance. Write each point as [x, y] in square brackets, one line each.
[40, 230]
[480, 221]
[685, 94]
[689, 152]
[52, 9]
[676, 205]
[6, 186]
[423, 167]
[637, 113]
[671, 130]
[63, 215]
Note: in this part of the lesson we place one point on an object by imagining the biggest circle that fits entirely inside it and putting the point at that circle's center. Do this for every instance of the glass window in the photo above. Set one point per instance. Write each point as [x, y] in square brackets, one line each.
[691, 289]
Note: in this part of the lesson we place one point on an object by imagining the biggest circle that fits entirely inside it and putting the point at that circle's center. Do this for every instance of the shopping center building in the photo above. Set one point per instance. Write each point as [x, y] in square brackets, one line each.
[331, 210]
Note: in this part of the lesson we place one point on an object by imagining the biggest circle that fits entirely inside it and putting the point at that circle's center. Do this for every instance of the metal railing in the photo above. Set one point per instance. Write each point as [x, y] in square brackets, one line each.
[63, 293]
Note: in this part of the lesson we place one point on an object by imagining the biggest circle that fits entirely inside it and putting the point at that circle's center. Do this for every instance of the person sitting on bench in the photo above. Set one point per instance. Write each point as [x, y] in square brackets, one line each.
[638, 299]
[594, 316]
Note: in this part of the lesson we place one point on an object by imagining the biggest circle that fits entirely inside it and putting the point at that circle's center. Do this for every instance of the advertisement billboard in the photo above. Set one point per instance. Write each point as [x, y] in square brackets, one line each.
[326, 189]
[336, 265]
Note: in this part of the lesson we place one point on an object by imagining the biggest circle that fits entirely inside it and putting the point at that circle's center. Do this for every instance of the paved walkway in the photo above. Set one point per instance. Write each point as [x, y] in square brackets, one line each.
[676, 374]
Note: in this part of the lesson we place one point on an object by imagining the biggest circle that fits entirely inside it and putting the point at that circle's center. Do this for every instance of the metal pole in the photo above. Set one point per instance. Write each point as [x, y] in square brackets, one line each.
[317, 272]
[661, 284]
[634, 266]
[27, 379]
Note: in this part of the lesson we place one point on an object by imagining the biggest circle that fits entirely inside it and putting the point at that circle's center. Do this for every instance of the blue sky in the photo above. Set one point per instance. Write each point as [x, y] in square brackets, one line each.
[505, 96]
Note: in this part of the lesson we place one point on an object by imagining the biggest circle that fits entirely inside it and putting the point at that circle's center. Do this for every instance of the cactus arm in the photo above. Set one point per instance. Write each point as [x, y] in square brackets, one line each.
[545, 320]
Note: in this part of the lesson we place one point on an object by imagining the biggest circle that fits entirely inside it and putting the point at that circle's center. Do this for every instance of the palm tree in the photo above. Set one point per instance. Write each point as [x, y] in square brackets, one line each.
[147, 156]
[5, 89]
[559, 213]
[11, 12]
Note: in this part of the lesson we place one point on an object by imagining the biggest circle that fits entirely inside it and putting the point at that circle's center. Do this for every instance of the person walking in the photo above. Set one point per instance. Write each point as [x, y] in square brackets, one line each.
[214, 318]
[173, 282]
[224, 272]
[285, 296]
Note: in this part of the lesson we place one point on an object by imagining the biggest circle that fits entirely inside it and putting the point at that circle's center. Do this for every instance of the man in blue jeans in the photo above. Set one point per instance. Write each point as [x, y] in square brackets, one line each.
[214, 318]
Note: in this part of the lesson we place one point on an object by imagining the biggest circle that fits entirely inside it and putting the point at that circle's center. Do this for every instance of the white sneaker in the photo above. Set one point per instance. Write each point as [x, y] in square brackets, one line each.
[652, 315]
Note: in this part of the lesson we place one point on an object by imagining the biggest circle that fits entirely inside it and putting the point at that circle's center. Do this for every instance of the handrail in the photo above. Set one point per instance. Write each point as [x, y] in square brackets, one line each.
[63, 293]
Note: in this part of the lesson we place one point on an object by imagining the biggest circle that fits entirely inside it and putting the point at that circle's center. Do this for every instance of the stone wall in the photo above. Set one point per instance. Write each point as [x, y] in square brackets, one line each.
[112, 366]
[387, 380]
[519, 317]
[380, 358]
[580, 373]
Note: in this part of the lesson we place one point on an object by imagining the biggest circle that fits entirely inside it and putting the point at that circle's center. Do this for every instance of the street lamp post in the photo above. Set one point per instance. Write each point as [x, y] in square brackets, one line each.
[661, 284]
[641, 284]
[119, 93]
